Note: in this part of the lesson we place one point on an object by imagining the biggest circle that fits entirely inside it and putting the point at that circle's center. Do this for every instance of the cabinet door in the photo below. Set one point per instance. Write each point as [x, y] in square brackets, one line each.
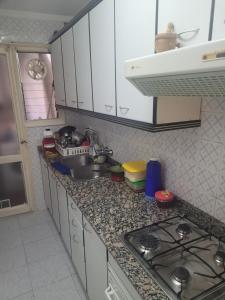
[135, 34]
[46, 185]
[55, 202]
[83, 63]
[64, 217]
[186, 15]
[219, 20]
[77, 247]
[69, 69]
[57, 67]
[103, 57]
[96, 264]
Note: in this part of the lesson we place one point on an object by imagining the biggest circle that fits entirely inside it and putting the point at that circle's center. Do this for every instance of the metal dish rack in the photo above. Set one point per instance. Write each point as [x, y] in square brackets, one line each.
[72, 150]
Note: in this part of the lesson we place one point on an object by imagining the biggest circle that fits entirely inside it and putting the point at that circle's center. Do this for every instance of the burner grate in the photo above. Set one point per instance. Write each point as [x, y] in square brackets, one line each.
[181, 276]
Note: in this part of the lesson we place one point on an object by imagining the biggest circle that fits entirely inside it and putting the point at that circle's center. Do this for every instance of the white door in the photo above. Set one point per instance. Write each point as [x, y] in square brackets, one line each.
[219, 20]
[135, 34]
[96, 264]
[83, 63]
[15, 182]
[186, 15]
[69, 68]
[64, 217]
[46, 185]
[103, 57]
[54, 197]
[57, 68]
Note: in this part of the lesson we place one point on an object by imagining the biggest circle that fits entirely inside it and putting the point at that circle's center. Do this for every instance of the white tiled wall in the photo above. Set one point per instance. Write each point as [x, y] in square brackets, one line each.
[27, 29]
[193, 160]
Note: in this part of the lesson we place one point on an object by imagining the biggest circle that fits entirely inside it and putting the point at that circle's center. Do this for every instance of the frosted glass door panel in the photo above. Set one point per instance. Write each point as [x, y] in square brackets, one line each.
[12, 191]
[8, 133]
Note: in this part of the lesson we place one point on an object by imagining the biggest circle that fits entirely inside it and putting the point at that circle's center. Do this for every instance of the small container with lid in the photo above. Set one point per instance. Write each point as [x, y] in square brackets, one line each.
[164, 199]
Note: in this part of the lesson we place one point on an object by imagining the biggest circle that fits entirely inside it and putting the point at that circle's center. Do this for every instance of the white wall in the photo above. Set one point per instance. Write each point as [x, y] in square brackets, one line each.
[26, 29]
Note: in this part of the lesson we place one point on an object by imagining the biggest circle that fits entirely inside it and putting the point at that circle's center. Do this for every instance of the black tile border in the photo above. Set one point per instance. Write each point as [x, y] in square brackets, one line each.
[136, 124]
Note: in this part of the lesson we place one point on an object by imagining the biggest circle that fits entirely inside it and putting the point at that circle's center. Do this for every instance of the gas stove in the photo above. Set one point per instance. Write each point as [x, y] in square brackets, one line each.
[186, 261]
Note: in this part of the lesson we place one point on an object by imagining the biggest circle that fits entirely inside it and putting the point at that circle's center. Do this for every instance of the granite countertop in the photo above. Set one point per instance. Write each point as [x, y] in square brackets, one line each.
[112, 209]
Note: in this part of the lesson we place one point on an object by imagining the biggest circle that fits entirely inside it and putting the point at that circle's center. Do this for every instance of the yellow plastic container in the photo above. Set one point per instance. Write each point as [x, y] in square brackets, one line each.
[135, 166]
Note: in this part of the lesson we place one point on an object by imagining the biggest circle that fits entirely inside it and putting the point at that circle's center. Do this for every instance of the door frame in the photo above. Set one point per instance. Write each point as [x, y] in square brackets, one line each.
[9, 51]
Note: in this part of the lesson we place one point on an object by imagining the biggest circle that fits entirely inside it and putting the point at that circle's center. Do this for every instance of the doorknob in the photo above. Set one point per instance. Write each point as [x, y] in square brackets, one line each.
[23, 142]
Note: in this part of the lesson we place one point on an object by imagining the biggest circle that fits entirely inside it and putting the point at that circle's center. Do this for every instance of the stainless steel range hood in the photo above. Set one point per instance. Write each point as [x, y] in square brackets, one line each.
[190, 71]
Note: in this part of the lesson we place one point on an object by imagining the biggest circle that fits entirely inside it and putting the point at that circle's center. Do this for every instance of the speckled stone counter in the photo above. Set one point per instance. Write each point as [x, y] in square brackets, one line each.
[112, 208]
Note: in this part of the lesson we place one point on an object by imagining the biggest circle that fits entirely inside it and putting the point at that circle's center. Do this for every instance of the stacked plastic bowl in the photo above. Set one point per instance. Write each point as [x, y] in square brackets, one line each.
[135, 174]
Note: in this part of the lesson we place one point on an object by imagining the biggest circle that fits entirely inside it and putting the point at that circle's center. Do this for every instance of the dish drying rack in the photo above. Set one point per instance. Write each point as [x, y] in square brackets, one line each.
[69, 151]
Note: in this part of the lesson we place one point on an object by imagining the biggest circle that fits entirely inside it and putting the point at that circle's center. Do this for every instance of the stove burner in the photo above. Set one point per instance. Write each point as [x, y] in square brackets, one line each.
[148, 242]
[180, 276]
[183, 230]
[220, 257]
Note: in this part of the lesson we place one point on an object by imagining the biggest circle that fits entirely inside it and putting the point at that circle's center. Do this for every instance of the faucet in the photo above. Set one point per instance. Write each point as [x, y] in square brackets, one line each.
[96, 149]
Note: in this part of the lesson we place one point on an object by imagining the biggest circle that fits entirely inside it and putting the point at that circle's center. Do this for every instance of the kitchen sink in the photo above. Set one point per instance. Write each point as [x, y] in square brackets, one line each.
[83, 167]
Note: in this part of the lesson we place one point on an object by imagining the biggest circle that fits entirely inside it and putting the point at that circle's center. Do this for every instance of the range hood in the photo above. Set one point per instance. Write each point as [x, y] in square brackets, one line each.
[190, 71]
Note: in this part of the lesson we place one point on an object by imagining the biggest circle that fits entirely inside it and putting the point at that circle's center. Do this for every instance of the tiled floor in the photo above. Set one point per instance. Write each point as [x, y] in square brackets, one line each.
[33, 262]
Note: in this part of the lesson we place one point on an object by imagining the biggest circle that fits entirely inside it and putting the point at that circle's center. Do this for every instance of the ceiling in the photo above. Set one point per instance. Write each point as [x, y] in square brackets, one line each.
[53, 7]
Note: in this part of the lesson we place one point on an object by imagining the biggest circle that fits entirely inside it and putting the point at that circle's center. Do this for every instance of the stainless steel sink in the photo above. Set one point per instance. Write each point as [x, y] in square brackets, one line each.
[82, 167]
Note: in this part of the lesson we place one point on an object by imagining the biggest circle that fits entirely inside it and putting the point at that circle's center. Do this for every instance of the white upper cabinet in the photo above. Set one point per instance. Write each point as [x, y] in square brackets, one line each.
[57, 67]
[219, 20]
[69, 69]
[103, 57]
[135, 36]
[83, 63]
[186, 15]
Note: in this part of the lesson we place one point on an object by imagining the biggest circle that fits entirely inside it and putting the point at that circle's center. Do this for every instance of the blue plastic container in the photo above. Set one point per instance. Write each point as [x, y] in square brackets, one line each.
[153, 178]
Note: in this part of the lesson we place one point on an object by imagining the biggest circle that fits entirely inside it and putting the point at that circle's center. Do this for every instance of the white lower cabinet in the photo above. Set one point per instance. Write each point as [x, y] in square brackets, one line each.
[46, 188]
[54, 197]
[64, 217]
[88, 253]
[119, 288]
[77, 240]
[96, 263]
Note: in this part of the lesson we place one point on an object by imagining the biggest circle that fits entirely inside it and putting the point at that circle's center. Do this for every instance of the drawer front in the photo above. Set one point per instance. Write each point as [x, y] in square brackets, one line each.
[77, 247]
[74, 210]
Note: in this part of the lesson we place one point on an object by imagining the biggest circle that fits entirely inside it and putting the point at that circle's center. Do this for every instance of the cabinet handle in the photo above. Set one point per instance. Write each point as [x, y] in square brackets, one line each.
[124, 110]
[23, 142]
[72, 222]
[74, 239]
[57, 183]
[194, 31]
[73, 101]
[81, 102]
[85, 228]
[72, 205]
[109, 292]
[108, 107]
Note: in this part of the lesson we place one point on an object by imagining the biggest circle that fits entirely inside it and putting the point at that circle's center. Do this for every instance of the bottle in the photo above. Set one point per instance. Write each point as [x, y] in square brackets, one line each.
[153, 178]
[48, 143]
